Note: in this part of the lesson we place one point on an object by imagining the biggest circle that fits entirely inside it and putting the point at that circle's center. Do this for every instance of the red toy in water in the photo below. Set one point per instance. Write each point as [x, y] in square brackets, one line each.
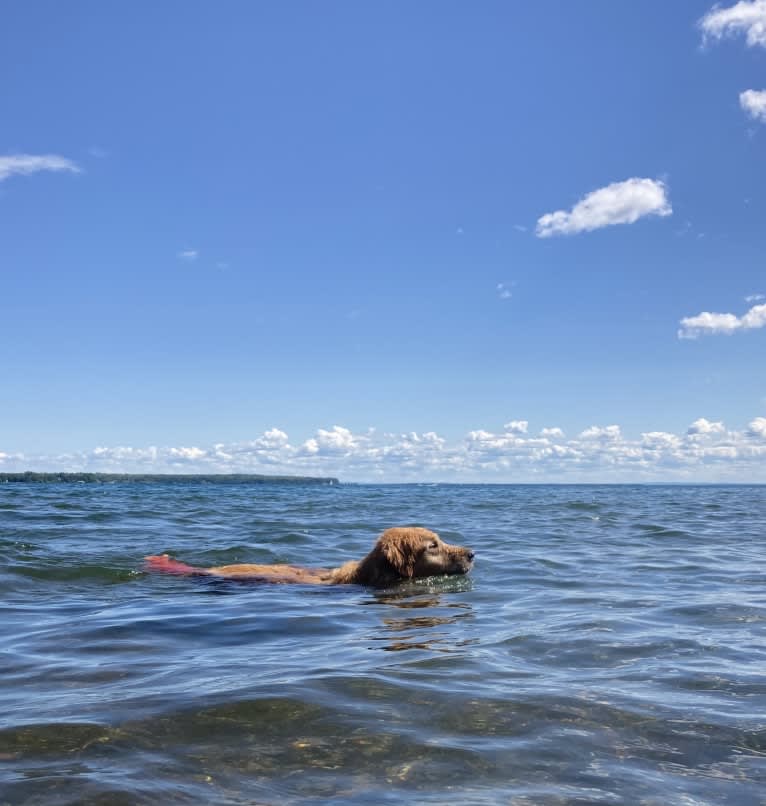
[166, 565]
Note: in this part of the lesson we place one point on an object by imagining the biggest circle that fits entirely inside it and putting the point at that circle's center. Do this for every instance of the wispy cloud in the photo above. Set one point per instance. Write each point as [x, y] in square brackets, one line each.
[503, 291]
[706, 450]
[710, 324]
[618, 203]
[188, 254]
[754, 298]
[24, 164]
[747, 17]
[754, 103]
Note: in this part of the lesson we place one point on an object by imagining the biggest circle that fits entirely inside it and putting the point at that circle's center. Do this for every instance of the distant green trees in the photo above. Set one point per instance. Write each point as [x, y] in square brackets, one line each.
[212, 478]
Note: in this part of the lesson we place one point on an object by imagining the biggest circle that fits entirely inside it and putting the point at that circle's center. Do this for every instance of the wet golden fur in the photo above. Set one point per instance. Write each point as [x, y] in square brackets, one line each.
[404, 552]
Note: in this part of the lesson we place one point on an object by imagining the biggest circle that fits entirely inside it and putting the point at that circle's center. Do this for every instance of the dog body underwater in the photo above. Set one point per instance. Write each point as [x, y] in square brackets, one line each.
[403, 552]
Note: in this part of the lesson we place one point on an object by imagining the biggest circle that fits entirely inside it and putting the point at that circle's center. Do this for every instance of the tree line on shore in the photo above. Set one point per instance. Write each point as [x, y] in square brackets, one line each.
[212, 478]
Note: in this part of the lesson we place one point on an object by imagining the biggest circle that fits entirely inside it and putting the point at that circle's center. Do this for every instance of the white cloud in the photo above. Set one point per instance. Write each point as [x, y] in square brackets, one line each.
[707, 323]
[746, 17]
[337, 441]
[503, 291]
[274, 438]
[25, 164]
[187, 454]
[552, 433]
[703, 427]
[188, 254]
[517, 426]
[754, 103]
[754, 298]
[609, 432]
[757, 428]
[618, 203]
[660, 440]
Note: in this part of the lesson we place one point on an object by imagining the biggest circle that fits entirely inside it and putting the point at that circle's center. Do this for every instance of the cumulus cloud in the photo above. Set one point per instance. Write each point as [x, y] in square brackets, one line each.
[338, 440]
[517, 426]
[754, 103]
[598, 432]
[747, 17]
[24, 164]
[703, 427]
[618, 203]
[757, 428]
[273, 438]
[660, 440]
[706, 323]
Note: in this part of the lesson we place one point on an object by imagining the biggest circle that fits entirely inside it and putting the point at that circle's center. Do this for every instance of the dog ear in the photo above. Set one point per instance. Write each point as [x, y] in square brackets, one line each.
[399, 547]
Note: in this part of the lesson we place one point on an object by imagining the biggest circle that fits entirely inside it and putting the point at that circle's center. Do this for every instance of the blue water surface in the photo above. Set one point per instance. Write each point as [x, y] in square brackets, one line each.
[609, 647]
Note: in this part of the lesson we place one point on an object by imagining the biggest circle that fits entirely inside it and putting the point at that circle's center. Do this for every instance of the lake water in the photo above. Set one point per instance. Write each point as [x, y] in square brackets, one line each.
[608, 647]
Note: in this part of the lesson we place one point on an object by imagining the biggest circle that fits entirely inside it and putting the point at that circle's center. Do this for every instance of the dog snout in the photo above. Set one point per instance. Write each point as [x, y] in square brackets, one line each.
[470, 554]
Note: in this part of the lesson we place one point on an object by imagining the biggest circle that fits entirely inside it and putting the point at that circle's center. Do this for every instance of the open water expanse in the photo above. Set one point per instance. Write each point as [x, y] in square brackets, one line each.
[608, 647]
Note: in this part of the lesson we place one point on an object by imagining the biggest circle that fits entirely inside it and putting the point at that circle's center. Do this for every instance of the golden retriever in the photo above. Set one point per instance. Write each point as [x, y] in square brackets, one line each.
[403, 552]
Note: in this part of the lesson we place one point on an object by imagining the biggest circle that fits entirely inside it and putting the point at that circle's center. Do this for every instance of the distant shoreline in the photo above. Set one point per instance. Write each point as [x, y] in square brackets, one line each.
[211, 478]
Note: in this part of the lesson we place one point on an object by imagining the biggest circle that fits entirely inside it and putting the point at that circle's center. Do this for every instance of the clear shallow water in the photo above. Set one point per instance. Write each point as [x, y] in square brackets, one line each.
[609, 647]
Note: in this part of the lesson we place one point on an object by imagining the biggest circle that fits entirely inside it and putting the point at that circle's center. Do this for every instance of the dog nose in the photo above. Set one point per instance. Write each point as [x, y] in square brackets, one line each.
[471, 554]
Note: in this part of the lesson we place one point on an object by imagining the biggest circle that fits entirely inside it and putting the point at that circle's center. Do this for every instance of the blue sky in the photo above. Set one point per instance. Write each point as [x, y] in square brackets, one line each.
[393, 241]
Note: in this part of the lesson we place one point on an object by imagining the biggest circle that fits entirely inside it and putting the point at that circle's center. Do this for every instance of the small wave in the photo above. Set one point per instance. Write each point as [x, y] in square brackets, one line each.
[661, 531]
[718, 613]
[582, 506]
[54, 572]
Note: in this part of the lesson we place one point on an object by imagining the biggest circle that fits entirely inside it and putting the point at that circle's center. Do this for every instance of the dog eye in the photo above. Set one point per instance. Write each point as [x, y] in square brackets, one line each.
[433, 546]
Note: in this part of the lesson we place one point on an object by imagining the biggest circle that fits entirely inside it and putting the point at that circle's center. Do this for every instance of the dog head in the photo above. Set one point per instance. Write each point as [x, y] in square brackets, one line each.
[416, 552]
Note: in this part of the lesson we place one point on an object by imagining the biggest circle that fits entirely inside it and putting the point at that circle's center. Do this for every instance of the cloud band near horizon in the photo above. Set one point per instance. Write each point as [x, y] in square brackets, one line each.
[706, 451]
